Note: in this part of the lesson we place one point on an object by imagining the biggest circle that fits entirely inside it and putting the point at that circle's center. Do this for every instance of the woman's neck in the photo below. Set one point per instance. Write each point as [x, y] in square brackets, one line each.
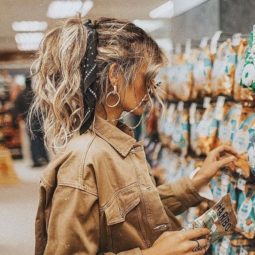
[110, 114]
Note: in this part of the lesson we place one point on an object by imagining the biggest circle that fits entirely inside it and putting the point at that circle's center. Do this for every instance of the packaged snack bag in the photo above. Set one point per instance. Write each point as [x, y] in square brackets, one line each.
[180, 136]
[169, 121]
[207, 127]
[224, 70]
[202, 72]
[219, 219]
[248, 75]
[224, 184]
[241, 93]
[229, 125]
[246, 213]
[243, 142]
[194, 119]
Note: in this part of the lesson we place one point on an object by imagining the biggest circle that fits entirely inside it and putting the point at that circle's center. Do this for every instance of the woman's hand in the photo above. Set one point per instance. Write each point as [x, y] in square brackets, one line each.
[180, 243]
[213, 162]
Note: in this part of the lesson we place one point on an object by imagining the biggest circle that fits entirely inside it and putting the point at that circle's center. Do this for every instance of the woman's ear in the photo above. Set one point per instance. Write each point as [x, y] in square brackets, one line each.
[113, 75]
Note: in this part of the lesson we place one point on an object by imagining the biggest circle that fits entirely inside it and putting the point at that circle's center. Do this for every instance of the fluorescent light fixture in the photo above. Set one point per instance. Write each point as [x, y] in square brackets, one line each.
[165, 10]
[148, 25]
[165, 43]
[64, 9]
[28, 37]
[28, 41]
[28, 46]
[182, 6]
[22, 26]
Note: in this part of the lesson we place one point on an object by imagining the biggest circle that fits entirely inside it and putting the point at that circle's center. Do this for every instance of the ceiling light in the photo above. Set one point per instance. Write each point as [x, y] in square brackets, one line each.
[165, 10]
[28, 46]
[148, 25]
[22, 26]
[64, 9]
[21, 38]
[28, 41]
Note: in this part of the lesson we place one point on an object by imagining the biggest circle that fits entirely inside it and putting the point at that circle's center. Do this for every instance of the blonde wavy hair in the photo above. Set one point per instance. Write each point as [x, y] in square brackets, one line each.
[58, 98]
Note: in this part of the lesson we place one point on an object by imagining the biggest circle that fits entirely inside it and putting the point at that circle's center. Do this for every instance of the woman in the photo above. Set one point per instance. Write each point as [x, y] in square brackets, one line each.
[97, 196]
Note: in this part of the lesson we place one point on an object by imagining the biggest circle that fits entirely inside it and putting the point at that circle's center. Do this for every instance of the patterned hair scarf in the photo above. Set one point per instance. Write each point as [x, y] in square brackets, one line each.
[88, 77]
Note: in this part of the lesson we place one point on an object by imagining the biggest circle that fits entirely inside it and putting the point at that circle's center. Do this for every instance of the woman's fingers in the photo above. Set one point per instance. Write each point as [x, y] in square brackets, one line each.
[225, 161]
[224, 148]
[199, 244]
[195, 233]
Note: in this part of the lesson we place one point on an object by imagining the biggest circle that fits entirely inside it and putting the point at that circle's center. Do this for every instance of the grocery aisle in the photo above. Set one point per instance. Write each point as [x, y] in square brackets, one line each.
[18, 204]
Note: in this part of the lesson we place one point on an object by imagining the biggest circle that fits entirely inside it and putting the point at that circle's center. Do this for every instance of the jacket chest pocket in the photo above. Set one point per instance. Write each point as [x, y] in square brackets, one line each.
[155, 213]
[123, 217]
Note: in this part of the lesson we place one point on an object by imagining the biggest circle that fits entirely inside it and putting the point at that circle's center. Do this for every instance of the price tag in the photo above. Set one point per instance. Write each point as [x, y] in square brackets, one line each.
[178, 49]
[218, 113]
[236, 39]
[243, 251]
[207, 101]
[241, 184]
[214, 41]
[192, 113]
[187, 48]
[204, 42]
[180, 106]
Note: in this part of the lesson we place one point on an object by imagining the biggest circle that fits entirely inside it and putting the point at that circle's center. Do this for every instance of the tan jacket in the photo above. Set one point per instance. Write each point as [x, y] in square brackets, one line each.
[99, 198]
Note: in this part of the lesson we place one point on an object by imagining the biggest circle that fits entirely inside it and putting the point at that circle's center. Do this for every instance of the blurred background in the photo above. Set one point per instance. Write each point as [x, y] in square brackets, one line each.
[22, 26]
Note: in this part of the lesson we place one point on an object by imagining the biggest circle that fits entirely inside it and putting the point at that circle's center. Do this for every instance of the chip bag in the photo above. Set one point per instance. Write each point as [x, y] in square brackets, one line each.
[244, 144]
[202, 74]
[248, 74]
[180, 135]
[229, 125]
[219, 219]
[224, 70]
[246, 213]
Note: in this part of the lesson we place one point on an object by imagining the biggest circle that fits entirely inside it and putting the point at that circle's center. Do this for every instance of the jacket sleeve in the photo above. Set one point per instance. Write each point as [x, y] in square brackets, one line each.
[179, 196]
[72, 225]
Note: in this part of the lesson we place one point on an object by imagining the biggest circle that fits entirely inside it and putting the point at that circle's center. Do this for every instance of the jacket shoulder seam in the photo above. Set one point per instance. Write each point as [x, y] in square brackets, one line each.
[83, 162]
[75, 186]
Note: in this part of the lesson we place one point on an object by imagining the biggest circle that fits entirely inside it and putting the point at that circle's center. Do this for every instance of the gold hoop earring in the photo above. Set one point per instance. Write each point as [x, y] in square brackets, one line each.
[114, 92]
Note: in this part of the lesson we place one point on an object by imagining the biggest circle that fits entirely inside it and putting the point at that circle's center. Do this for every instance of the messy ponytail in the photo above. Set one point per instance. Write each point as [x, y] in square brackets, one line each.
[57, 75]
[57, 82]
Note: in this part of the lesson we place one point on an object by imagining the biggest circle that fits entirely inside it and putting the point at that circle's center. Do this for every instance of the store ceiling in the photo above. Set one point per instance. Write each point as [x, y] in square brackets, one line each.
[18, 10]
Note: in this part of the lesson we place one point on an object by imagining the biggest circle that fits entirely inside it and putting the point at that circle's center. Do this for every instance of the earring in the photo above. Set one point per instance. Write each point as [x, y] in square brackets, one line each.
[114, 92]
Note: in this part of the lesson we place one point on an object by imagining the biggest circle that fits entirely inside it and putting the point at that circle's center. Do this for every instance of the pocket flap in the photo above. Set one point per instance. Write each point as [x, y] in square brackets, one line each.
[123, 202]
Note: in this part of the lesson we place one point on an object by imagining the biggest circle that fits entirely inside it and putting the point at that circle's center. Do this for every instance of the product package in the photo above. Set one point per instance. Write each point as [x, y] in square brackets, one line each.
[223, 184]
[248, 75]
[224, 70]
[180, 135]
[229, 125]
[241, 93]
[195, 115]
[207, 127]
[246, 212]
[202, 73]
[219, 219]
[244, 143]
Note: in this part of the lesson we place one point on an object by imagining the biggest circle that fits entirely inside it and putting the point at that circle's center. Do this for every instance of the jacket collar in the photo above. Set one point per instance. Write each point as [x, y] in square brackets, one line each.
[120, 137]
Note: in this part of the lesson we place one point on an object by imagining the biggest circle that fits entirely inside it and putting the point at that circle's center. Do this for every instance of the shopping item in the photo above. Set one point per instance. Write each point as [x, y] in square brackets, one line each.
[246, 212]
[244, 144]
[180, 134]
[202, 72]
[248, 75]
[224, 70]
[229, 125]
[220, 219]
